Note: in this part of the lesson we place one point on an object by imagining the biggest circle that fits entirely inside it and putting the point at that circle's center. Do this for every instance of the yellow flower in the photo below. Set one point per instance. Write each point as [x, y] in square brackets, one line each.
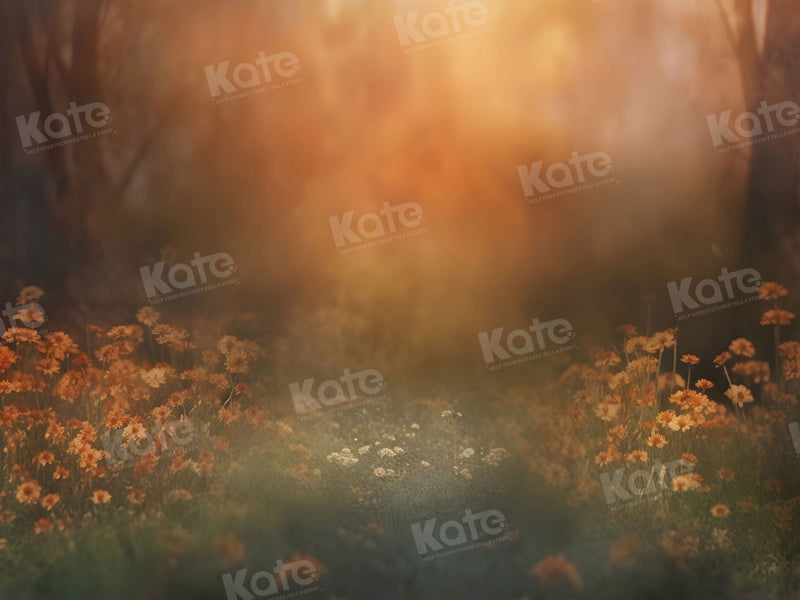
[28, 492]
[739, 395]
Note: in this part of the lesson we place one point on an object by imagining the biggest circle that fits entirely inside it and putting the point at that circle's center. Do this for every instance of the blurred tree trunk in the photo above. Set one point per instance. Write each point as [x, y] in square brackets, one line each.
[770, 72]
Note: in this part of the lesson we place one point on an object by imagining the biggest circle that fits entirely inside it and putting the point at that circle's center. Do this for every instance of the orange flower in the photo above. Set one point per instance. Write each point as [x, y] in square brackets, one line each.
[657, 440]
[28, 492]
[50, 501]
[61, 473]
[21, 334]
[44, 458]
[722, 358]
[640, 455]
[7, 357]
[777, 317]
[556, 568]
[28, 293]
[689, 457]
[42, 526]
[770, 290]
[148, 316]
[666, 418]
[100, 497]
[742, 347]
[703, 384]
[690, 359]
[720, 510]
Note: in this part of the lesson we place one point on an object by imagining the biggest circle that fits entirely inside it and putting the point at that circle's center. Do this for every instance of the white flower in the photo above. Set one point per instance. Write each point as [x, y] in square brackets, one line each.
[447, 413]
[467, 453]
[399, 450]
[414, 426]
[466, 473]
[364, 449]
[383, 452]
[425, 463]
[381, 472]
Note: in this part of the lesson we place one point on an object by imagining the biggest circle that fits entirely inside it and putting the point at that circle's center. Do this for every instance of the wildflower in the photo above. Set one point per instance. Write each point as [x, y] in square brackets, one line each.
[777, 317]
[49, 501]
[640, 455]
[657, 440]
[720, 510]
[666, 418]
[44, 458]
[21, 335]
[684, 483]
[742, 347]
[29, 316]
[425, 463]
[60, 473]
[42, 526]
[465, 474]
[467, 453]
[556, 568]
[384, 452]
[28, 492]
[689, 457]
[739, 395]
[381, 472]
[769, 290]
[703, 384]
[7, 357]
[148, 316]
[28, 293]
[690, 359]
[722, 358]
[136, 496]
[100, 497]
